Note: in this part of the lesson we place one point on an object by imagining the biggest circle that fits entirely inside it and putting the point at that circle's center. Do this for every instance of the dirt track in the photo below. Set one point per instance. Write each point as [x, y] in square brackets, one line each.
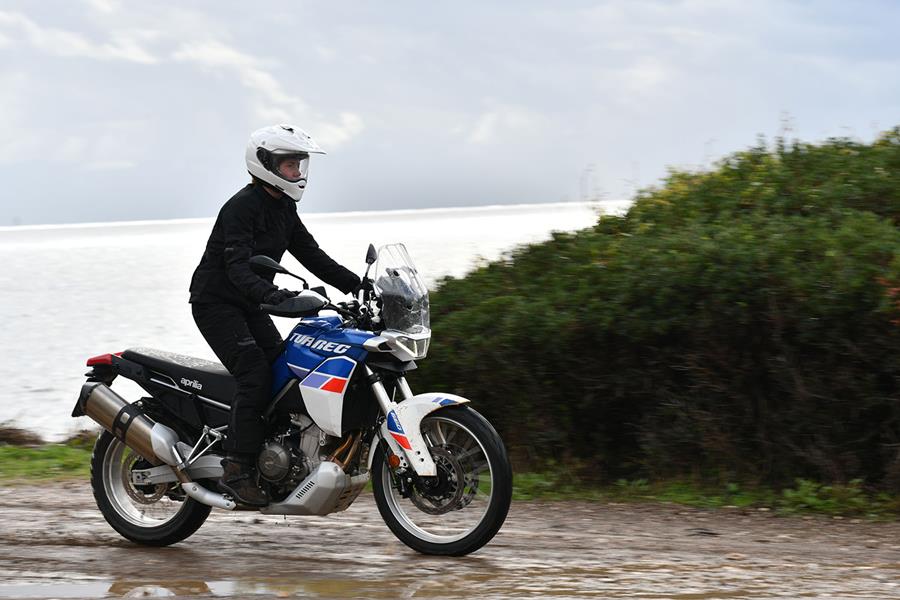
[55, 544]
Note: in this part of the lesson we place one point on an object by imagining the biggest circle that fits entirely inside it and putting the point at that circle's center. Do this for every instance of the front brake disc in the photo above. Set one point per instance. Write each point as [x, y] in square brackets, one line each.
[440, 494]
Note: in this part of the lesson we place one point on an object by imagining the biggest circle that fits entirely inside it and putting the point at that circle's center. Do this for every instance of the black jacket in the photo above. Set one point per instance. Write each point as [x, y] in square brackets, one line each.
[253, 222]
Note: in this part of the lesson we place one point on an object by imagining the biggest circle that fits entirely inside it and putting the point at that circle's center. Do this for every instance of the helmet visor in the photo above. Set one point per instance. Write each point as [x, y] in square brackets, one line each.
[291, 167]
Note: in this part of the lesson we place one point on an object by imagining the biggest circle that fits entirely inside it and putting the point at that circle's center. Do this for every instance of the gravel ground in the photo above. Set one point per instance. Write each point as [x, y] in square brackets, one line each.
[55, 544]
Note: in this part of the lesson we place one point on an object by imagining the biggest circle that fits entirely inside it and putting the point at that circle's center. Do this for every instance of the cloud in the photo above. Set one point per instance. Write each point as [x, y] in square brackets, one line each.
[104, 6]
[125, 45]
[503, 122]
[215, 55]
[271, 102]
[325, 53]
[645, 76]
[12, 114]
[99, 85]
[91, 143]
[331, 134]
[110, 165]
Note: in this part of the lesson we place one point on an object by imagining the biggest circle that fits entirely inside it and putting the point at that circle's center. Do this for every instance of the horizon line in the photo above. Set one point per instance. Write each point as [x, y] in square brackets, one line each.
[338, 214]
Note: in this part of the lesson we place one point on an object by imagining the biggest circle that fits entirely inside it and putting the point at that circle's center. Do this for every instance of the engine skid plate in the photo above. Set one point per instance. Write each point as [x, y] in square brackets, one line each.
[326, 490]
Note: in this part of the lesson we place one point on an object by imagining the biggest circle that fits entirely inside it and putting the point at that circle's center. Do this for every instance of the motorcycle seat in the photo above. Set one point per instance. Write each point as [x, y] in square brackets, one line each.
[192, 375]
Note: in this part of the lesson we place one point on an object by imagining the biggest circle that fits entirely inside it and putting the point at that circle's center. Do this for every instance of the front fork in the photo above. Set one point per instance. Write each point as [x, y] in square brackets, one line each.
[400, 431]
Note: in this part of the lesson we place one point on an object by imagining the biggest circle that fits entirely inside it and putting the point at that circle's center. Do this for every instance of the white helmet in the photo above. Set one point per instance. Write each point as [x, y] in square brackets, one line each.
[270, 152]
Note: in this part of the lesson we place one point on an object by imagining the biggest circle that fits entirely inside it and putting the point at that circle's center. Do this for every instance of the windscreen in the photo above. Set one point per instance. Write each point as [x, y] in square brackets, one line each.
[404, 297]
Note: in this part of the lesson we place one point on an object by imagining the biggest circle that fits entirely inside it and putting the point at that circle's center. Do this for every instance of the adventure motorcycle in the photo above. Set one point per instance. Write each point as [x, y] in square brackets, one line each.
[341, 412]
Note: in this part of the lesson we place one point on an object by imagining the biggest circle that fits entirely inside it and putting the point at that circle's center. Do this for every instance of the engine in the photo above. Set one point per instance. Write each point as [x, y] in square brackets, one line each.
[288, 458]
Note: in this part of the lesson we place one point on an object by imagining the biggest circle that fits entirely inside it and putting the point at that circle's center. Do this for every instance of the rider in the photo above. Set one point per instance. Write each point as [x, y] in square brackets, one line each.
[225, 293]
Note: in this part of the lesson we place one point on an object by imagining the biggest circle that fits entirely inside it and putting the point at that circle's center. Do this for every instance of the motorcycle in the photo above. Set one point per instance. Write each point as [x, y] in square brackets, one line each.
[342, 413]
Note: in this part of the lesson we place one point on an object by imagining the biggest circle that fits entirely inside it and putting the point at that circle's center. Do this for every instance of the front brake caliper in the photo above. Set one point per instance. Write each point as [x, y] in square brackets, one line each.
[403, 481]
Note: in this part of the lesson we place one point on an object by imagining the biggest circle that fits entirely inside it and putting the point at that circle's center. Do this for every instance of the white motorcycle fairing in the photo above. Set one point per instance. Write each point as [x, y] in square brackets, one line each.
[323, 390]
[401, 430]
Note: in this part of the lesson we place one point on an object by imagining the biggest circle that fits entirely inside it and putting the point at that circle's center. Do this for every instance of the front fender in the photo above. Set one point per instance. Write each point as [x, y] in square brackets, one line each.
[402, 430]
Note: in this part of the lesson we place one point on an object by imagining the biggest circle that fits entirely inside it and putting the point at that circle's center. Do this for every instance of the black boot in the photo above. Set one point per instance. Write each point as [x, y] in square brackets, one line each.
[239, 480]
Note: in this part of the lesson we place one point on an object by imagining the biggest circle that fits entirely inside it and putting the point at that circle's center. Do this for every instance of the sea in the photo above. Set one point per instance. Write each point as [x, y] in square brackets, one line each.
[69, 292]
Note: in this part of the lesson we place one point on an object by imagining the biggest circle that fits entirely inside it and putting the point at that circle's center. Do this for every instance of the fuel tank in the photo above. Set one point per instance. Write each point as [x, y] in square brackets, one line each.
[322, 356]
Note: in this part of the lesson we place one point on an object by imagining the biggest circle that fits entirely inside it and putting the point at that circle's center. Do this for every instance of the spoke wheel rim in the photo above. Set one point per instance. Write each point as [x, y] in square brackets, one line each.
[431, 527]
[147, 506]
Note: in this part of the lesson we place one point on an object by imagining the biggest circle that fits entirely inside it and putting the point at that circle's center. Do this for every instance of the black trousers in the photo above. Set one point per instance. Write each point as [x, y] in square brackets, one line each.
[247, 343]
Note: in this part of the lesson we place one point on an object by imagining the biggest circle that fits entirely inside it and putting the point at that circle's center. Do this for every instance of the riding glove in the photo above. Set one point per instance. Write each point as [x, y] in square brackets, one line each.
[277, 296]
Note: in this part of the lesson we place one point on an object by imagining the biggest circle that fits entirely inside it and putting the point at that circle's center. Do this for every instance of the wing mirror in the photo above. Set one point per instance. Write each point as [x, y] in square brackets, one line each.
[263, 265]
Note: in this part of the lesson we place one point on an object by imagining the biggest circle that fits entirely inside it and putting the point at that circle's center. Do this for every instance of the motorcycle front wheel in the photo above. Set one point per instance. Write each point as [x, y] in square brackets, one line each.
[153, 515]
[463, 507]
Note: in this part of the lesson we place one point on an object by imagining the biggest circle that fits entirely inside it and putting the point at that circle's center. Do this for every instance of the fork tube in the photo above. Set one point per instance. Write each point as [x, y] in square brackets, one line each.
[405, 392]
[384, 401]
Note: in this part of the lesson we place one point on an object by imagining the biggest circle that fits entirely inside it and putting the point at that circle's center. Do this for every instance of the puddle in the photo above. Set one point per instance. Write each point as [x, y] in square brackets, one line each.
[56, 590]
[54, 545]
[145, 589]
[282, 588]
[626, 581]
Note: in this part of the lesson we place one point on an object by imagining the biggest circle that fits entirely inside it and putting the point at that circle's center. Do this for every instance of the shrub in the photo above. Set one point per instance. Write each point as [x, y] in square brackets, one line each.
[740, 323]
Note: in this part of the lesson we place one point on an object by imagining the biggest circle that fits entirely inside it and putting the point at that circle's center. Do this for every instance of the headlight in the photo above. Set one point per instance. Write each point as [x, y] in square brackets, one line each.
[417, 348]
[404, 346]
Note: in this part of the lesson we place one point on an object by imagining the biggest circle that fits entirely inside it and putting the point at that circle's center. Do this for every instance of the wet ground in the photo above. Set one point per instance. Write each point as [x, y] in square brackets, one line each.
[55, 544]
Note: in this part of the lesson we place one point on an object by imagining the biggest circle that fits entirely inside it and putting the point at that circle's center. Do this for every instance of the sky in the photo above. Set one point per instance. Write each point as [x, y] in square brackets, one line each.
[113, 110]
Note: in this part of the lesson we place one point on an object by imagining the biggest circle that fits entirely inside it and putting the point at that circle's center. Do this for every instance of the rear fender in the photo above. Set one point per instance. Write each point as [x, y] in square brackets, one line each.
[107, 367]
[402, 430]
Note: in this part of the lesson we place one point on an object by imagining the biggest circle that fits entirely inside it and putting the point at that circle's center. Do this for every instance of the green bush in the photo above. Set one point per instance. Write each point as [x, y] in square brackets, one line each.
[740, 324]
[809, 496]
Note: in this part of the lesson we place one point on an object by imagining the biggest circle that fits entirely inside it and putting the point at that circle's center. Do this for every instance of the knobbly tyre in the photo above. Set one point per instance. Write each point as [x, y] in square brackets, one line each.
[341, 413]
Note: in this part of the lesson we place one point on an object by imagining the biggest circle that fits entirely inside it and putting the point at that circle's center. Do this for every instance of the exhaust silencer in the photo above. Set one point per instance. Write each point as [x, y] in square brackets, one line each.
[154, 441]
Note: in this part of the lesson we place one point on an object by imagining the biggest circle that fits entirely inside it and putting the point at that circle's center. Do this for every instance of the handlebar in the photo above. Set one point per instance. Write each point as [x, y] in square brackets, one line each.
[358, 314]
[344, 310]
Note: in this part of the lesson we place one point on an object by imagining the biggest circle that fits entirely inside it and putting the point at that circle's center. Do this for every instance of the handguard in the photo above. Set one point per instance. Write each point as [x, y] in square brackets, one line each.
[305, 304]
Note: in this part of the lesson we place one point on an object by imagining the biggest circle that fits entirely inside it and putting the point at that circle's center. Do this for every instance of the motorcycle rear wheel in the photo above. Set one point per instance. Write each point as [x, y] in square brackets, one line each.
[461, 509]
[152, 515]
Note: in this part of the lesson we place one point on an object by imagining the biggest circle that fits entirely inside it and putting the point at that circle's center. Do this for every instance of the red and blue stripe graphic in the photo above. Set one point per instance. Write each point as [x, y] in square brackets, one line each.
[444, 401]
[331, 376]
[396, 431]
